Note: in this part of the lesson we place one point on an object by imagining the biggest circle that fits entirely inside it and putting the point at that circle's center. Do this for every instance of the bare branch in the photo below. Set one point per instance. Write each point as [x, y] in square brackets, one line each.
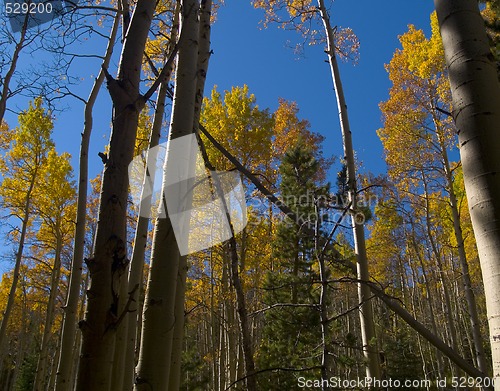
[165, 72]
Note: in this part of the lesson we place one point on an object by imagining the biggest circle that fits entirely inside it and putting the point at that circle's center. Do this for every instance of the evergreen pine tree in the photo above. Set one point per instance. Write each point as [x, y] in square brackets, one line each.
[292, 333]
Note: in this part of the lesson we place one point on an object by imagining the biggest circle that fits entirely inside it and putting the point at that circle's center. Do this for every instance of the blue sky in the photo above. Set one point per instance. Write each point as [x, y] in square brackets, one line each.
[245, 53]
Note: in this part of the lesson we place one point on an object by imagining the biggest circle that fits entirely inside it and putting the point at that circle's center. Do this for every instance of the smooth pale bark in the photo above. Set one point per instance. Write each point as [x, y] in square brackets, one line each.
[158, 314]
[153, 369]
[176, 353]
[180, 291]
[135, 277]
[107, 264]
[470, 298]
[64, 370]
[476, 109]
[370, 350]
[326, 365]
[43, 362]
[204, 53]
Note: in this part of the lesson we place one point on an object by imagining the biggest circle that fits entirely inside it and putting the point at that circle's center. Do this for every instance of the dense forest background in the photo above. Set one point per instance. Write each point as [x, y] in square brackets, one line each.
[338, 274]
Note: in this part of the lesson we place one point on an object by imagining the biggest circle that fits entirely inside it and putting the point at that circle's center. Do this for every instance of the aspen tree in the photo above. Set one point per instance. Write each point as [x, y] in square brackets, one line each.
[364, 294]
[180, 292]
[476, 110]
[64, 369]
[135, 277]
[153, 369]
[306, 11]
[54, 204]
[247, 130]
[109, 257]
[420, 83]
[390, 301]
[20, 168]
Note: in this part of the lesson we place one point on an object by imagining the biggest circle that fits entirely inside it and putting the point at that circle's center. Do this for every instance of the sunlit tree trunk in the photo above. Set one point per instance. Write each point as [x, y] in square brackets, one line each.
[326, 365]
[470, 298]
[365, 312]
[135, 278]
[64, 370]
[476, 109]
[43, 362]
[153, 369]
[109, 258]
[201, 73]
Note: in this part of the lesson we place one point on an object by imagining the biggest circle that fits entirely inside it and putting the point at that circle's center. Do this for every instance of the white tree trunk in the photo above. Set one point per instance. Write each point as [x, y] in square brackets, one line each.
[106, 266]
[176, 353]
[140, 242]
[180, 292]
[153, 369]
[135, 278]
[43, 363]
[476, 110]
[365, 310]
[64, 370]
